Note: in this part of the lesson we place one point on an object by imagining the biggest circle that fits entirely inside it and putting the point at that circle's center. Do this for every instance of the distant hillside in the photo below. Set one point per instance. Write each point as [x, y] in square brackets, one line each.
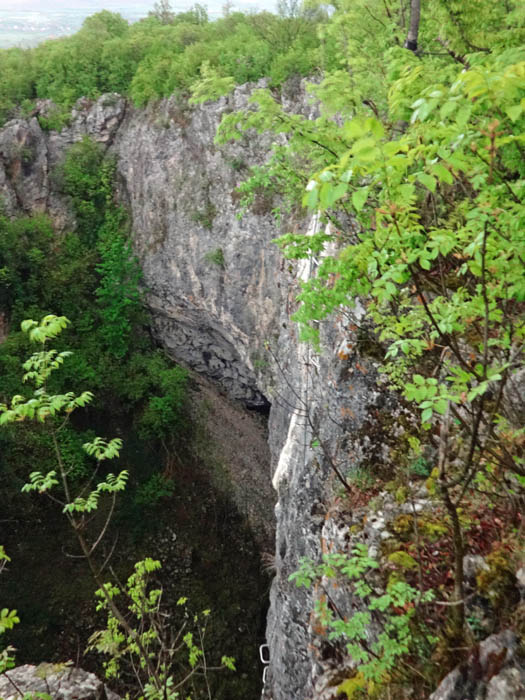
[26, 23]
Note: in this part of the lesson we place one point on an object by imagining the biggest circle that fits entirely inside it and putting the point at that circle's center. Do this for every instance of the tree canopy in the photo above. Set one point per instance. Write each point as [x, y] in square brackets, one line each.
[162, 54]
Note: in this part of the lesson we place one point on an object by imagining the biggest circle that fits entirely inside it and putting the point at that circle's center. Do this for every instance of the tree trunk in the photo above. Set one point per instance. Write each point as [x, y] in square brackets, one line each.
[413, 30]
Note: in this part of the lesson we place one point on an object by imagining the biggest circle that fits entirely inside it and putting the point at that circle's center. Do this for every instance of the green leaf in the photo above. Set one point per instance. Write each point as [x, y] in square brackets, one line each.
[311, 198]
[27, 325]
[228, 662]
[363, 147]
[447, 109]
[376, 127]
[354, 129]
[514, 112]
[335, 193]
[326, 176]
[425, 263]
[442, 173]
[427, 180]
[426, 415]
[359, 198]
[441, 406]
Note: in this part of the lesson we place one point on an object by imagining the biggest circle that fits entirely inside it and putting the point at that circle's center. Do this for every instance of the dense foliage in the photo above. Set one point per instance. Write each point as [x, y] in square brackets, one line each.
[163, 54]
[420, 184]
[156, 657]
[91, 276]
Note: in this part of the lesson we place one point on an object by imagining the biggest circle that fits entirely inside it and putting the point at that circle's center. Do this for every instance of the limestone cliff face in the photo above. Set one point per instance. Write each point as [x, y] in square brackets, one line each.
[210, 276]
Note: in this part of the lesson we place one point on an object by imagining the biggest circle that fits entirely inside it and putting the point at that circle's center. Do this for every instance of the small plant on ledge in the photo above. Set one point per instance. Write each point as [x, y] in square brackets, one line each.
[215, 257]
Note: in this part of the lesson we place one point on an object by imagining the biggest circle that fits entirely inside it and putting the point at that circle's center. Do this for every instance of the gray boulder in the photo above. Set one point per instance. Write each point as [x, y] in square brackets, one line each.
[60, 681]
[493, 671]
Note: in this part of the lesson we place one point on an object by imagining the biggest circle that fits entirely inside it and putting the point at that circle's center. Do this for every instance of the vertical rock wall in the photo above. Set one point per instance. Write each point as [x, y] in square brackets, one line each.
[222, 298]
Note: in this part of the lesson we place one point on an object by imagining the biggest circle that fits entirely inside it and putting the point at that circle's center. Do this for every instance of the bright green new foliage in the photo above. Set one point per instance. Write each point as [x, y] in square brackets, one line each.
[163, 54]
[419, 184]
[178, 653]
[378, 658]
[211, 86]
[56, 409]
[446, 276]
[8, 619]
[162, 661]
[91, 276]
